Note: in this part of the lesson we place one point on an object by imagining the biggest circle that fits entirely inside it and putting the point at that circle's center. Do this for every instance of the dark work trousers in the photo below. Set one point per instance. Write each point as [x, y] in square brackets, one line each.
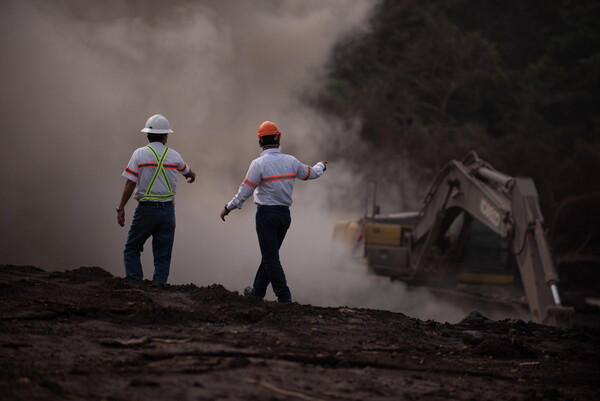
[151, 219]
[272, 224]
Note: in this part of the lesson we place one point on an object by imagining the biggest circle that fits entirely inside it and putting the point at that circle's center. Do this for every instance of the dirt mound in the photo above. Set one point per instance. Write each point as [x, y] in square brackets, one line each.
[82, 275]
[84, 334]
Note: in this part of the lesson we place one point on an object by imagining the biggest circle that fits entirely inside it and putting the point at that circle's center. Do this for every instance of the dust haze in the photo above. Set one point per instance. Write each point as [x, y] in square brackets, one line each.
[79, 80]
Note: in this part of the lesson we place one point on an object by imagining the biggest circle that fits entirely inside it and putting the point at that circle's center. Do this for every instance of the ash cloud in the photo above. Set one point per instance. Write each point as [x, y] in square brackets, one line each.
[80, 78]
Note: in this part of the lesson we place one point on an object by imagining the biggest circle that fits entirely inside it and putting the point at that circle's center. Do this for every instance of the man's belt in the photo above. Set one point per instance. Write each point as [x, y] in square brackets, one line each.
[272, 207]
[146, 203]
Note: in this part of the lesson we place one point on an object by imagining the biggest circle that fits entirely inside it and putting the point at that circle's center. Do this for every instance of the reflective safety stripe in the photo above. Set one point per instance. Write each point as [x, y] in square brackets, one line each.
[308, 171]
[133, 173]
[279, 177]
[251, 184]
[148, 165]
[160, 170]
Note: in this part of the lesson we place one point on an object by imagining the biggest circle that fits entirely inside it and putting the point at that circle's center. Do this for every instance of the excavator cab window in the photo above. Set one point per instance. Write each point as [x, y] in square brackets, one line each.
[487, 258]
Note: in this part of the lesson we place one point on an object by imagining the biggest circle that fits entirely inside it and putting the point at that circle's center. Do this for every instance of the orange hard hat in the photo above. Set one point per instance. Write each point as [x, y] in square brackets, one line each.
[267, 128]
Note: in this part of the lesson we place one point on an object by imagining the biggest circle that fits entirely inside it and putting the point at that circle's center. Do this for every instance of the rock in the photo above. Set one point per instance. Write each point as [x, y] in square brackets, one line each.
[472, 337]
[52, 386]
[504, 348]
[474, 318]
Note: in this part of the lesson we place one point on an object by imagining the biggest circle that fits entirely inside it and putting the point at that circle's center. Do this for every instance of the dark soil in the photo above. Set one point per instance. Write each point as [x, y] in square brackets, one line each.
[85, 335]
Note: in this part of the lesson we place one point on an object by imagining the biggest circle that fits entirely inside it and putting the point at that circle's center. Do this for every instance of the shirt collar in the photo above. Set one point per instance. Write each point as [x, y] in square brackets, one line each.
[271, 150]
[157, 145]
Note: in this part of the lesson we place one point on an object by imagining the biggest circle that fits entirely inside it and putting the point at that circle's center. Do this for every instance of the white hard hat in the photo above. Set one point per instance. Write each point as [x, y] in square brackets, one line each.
[157, 124]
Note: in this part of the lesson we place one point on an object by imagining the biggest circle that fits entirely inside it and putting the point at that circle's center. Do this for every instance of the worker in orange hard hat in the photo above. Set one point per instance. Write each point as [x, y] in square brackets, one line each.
[271, 178]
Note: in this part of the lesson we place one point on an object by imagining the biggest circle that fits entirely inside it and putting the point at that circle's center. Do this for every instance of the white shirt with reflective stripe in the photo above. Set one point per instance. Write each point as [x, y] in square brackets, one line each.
[143, 164]
[271, 178]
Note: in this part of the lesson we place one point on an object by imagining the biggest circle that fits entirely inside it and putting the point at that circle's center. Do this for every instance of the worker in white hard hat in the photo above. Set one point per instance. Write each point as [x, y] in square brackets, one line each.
[271, 178]
[152, 179]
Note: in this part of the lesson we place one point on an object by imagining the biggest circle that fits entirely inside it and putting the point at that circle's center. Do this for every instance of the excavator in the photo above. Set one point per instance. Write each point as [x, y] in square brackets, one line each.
[478, 229]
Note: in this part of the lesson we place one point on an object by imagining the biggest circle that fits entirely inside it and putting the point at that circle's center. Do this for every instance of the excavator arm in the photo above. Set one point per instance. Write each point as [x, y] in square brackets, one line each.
[507, 205]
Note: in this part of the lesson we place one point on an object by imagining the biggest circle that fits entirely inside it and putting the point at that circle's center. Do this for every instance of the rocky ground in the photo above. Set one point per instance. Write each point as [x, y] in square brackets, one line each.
[85, 335]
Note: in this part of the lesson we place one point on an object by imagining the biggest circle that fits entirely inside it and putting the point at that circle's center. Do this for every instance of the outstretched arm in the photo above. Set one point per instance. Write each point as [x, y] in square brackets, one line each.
[305, 172]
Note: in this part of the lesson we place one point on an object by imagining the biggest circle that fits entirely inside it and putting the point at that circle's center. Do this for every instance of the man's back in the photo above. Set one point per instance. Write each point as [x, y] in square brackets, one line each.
[279, 172]
[271, 177]
[142, 168]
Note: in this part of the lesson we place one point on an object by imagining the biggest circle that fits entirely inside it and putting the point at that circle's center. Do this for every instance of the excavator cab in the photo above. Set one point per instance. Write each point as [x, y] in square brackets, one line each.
[487, 258]
[477, 254]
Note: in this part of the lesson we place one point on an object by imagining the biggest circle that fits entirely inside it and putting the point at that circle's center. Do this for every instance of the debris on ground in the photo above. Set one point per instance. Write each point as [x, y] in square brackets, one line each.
[84, 334]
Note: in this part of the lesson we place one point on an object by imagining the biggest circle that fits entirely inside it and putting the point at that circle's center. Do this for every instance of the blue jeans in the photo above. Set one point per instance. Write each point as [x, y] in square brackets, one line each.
[271, 226]
[158, 221]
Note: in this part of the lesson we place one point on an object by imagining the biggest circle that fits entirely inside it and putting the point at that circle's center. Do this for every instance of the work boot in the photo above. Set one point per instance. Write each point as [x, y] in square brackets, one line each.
[248, 291]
